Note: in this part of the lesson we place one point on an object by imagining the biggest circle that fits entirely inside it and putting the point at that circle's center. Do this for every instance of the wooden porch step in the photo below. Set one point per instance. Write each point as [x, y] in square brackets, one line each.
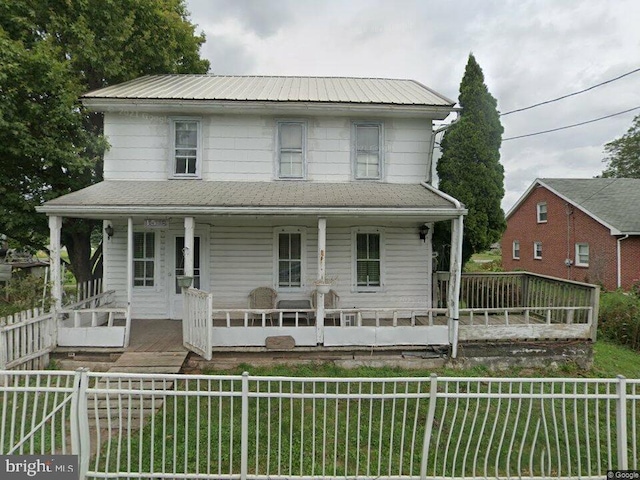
[150, 362]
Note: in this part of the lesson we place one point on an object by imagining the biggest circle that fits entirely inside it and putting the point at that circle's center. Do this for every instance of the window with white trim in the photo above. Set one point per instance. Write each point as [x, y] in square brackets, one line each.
[537, 250]
[367, 147]
[291, 149]
[289, 259]
[144, 259]
[186, 138]
[582, 254]
[541, 210]
[368, 260]
[516, 250]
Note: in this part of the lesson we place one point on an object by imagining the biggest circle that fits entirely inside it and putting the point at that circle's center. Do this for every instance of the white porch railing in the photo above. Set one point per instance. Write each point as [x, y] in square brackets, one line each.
[26, 339]
[197, 332]
[91, 320]
[257, 427]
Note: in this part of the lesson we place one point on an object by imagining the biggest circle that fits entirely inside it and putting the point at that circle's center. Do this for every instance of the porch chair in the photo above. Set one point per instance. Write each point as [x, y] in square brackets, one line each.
[263, 298]
[330, 301]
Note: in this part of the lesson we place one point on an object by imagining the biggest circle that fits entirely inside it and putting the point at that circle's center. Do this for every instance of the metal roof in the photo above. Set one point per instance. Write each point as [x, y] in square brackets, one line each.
[275, 89]
[182, 196]
[611, 201]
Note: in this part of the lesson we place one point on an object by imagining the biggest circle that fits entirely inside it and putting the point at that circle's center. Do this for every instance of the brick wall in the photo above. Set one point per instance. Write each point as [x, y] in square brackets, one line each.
[567, 225]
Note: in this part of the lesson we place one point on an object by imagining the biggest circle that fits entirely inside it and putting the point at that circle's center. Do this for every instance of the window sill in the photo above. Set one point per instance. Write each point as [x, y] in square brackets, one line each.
[581, 265]
[185, 177]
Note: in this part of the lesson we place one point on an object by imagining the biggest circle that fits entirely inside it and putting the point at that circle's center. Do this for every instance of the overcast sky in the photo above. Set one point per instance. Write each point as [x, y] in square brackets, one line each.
[530, 51]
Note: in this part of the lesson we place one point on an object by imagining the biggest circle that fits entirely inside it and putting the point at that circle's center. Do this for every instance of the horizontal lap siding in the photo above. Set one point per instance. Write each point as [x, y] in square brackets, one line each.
[243, 148]
[241, 258]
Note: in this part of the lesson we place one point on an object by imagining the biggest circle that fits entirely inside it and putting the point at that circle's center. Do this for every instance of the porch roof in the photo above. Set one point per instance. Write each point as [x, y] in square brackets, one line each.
[268, 198]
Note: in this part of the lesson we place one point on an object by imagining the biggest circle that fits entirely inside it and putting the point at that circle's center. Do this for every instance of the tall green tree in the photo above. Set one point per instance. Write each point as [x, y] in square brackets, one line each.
[52, 51]
[469, 168]
[623, 154]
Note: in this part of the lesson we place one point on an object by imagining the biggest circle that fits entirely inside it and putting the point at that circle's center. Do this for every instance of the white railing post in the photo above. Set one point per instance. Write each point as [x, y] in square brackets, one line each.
[621, 422]
[209, 327]
[244, 427]
[79, 419]
[433, 395]
[3, 348]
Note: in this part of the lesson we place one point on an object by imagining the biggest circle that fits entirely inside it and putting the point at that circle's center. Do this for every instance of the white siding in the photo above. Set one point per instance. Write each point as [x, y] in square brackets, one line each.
[241, 257]
[243, 148]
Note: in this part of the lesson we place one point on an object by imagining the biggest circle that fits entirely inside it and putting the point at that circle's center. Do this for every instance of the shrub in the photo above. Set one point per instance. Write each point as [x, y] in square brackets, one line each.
[619, 318]
[23, 292]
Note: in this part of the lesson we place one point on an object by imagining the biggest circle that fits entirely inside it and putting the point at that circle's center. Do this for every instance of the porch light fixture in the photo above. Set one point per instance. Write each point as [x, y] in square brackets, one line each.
[422, 232]
[109, 230]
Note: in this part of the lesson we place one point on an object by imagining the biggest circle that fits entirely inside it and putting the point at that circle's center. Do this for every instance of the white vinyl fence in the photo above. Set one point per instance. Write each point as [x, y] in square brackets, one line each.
[256, 427]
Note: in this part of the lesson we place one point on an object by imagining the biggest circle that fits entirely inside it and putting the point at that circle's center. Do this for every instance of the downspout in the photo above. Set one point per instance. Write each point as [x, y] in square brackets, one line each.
[619, 261]
[432, 145]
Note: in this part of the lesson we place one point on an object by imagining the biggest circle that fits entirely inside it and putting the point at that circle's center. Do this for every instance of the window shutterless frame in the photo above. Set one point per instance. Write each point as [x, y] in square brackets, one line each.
[367, 150]
[541, 212]
[537, 250]
[367, 264]
[289, 254]
[144, 259]
[516, 250]
[291, 149]
[582, 255]
[185, 157]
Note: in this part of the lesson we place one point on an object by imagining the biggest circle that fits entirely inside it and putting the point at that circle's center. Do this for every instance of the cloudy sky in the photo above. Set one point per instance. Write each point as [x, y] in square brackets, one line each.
[530, 51]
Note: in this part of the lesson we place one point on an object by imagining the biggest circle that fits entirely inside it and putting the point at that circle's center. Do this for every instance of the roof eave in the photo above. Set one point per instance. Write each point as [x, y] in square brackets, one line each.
[137, 210]
[151, 105]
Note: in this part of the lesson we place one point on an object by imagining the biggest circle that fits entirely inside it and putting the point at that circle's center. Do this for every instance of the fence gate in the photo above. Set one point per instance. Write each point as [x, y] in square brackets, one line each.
[197, 321]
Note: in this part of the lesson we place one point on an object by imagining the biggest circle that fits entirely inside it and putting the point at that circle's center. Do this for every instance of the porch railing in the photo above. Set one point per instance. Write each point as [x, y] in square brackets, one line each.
[94, 319]
[256, 427]
[537, 299]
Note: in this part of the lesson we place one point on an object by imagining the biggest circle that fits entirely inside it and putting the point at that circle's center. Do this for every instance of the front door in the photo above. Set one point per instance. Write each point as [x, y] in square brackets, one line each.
[177, 270]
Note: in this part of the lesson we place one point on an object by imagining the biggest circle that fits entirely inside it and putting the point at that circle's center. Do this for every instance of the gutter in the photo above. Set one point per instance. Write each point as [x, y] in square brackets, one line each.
[137, 210]
[457, 203]
[618, 258]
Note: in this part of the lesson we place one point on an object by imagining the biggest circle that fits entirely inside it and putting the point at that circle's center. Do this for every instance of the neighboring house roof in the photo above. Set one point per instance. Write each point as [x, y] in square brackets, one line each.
[611, 201]
[275, 89]
[185, 196]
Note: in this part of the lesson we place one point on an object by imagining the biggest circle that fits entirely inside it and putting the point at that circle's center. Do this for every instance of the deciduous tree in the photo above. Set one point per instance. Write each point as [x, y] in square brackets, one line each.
[52, 51]
[623, 154]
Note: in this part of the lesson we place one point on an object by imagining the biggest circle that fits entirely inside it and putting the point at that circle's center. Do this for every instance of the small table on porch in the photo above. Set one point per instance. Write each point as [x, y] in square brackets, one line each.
[295, 305]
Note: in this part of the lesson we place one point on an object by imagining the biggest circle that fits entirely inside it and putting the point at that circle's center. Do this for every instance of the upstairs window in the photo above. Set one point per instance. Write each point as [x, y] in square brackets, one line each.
[537, 250]
[144, 259]
[582, 254]
[542, 212]
[367, 151]
[368, 261]
[291, 149]
[186, 148]
[516, 250]
[289, 260]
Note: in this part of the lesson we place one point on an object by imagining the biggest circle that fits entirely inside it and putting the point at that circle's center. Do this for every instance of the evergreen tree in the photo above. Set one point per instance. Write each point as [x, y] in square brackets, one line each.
[623, 154]
[469, 168]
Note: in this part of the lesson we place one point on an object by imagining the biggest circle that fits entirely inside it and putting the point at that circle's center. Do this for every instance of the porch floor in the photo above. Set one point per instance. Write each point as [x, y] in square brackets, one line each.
[155, 336]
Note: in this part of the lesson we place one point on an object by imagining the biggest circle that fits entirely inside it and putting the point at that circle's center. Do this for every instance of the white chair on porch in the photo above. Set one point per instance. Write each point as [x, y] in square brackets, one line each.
[262, 298]
[330, 302]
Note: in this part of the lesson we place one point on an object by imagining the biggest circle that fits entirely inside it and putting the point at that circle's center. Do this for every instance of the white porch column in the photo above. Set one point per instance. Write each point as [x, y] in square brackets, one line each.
[55, 225]
[189, 226]
[455, 271]
[129, 279]
[322, 252]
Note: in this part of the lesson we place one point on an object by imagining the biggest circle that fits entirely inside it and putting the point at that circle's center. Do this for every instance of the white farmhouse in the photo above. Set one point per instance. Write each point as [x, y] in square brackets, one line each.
[237, 183]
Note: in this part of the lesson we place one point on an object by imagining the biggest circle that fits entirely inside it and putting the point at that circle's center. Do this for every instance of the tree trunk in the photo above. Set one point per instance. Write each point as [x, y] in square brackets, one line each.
[76, 236]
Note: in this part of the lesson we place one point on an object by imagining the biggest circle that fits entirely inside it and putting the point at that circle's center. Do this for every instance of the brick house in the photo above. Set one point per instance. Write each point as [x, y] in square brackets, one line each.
[580, 229]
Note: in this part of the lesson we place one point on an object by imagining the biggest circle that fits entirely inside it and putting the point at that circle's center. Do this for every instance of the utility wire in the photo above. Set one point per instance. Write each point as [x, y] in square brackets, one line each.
[571, 126]
[570, 94]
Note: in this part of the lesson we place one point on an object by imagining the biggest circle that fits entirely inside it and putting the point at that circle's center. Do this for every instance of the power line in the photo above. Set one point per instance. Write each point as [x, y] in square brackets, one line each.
[570, 94]
[571, 126]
